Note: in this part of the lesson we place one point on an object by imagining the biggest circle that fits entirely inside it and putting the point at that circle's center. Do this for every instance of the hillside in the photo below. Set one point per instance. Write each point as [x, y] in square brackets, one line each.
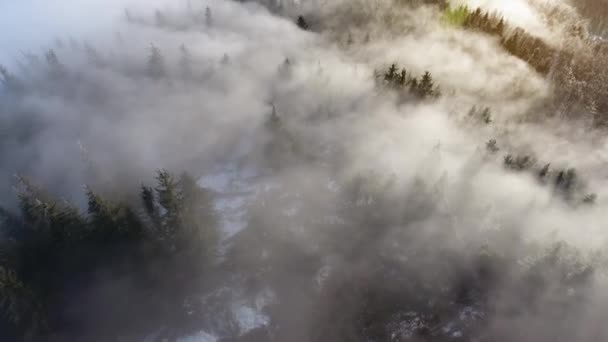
[277, 170]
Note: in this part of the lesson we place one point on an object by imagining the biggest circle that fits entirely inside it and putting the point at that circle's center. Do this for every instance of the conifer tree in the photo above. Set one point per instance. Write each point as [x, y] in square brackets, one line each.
[500, 27]
[208, 17]
[51, 58]
[55, 67]
[160, 19]
[156, 63]
[285, 68]
[185, 62]
[128, 16]
[8, 80]
[168, 198]
[93, 56]
[402, 79]
[389, 76]
[349, 39]
[301, 22]
[149, 201]
[414, 87]
[225, 59]
[426, 85]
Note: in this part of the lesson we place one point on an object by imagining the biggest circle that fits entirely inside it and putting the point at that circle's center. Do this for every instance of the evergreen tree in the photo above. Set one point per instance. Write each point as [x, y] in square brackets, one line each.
[414, 87]
[8, 80]
[402, 79]
[389, 76]
[185, 62]
[156, 63]
[160, 19]
[285, 68]
[426, 88]
[225, 59]
[51, 58]
[492, 146]
[301, 22]
[55, 67]
[500, 27]
[149, 202]
[349, 39]
[128, 16]
[208, 17]
[94, 57]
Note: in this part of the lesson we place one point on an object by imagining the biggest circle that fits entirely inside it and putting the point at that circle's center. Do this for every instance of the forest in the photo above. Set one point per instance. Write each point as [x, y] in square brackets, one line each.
[313, 170]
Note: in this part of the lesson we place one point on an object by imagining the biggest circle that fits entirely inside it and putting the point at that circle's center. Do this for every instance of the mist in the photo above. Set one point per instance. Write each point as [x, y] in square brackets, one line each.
[365, 212]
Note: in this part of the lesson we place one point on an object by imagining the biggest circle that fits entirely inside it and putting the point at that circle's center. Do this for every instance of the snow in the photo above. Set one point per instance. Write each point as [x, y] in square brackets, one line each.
[200, 336]
[249, 318]
[233, 187]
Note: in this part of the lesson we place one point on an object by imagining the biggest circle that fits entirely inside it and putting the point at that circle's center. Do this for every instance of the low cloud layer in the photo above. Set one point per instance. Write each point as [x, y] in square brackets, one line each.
[104, 112]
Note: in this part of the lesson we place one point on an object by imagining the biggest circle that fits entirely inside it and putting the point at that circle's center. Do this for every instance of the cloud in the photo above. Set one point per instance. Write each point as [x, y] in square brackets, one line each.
[100, 116]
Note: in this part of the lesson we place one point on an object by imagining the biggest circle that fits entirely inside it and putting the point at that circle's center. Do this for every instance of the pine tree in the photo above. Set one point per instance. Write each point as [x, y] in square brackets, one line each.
[285, 68]
[56, 68]
[500, 27]
[160, 19]
[426, 87]
[185, 62]
[168, 198]
[486, 116]
[225, 59]
[128, 16]
[8, 80]
[198, 219]
[390, 74]
[149, 201]
[414, 87]
[51, 58]
[544, 172]
[94, 57]
[402, 79]
[492, 146]
[156, 63]
[301, 22]
[349, 39]
[208, 17]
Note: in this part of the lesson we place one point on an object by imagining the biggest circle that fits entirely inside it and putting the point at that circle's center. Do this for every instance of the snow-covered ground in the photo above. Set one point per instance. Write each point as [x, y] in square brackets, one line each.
[233, 187]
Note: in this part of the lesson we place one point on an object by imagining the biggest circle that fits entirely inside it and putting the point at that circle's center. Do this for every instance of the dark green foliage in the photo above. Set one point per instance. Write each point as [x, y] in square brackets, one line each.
[484, 21]
[515, 40]
[426, 87]
[565, 182]
[51, 247]
[481, 115]
[149, 202]
[400, 80]
[519, 162]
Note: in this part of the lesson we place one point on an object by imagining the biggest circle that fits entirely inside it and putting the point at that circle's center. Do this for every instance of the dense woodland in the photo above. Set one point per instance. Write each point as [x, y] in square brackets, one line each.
[373, 257]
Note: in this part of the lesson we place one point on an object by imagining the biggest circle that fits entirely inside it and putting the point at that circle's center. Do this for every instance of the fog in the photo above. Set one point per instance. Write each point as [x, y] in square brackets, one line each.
[101, 117]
